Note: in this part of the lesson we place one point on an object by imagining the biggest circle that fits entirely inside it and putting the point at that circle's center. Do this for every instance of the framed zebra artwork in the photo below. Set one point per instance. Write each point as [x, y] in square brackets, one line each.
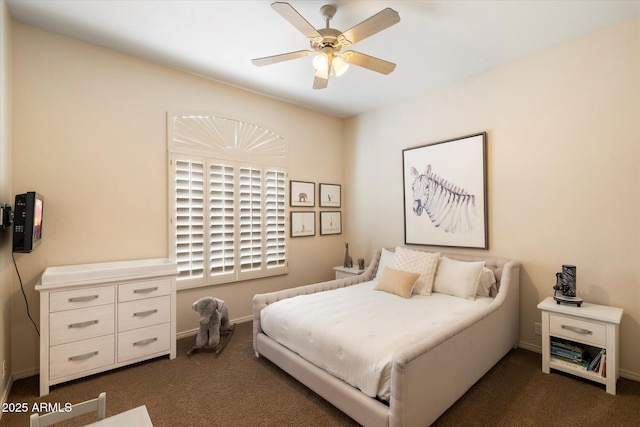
[445, 193]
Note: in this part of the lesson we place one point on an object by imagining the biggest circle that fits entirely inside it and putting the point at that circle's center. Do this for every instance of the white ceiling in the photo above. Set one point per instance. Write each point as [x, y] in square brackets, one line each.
[435, 43]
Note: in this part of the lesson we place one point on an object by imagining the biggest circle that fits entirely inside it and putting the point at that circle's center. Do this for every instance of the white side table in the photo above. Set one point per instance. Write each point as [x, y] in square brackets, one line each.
[591, 324]
[342, 272]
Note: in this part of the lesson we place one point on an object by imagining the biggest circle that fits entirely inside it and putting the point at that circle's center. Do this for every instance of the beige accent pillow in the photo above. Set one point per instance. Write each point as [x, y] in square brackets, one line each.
[423, 263]
[457, 278]
[396, 282]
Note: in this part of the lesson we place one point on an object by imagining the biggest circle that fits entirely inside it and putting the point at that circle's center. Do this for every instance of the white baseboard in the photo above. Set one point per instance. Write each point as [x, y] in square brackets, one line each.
[530, 347]
[193, 332]
[5, 394]
[26, 373]
[629, 375]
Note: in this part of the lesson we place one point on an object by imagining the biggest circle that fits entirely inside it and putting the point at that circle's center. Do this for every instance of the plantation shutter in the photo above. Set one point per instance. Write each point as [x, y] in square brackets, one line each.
[228, 192]
[250, 219]
[275, 204]
[189, 217]
[221, 219]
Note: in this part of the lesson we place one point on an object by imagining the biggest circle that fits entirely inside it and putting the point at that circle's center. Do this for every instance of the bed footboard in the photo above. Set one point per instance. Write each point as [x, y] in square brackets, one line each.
[441, 369]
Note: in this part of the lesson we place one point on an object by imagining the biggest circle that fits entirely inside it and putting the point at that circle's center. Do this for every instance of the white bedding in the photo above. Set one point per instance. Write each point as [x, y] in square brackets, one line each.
[354, 332]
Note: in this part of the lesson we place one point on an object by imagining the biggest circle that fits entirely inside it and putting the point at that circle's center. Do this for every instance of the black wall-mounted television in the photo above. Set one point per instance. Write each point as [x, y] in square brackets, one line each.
[27, 221]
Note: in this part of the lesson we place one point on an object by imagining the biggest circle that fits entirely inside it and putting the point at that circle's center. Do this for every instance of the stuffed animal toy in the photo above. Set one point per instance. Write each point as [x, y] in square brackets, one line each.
[214, 321]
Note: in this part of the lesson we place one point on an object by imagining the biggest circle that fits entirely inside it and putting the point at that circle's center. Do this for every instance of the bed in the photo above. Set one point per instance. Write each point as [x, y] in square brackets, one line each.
[428, 368]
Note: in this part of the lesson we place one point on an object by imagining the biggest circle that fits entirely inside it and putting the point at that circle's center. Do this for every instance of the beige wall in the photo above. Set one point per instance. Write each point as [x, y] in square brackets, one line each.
[563, 170]
[5, 197]
[89, 133]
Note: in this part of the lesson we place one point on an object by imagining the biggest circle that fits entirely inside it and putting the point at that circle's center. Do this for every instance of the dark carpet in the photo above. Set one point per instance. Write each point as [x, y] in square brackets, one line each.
[237, 389]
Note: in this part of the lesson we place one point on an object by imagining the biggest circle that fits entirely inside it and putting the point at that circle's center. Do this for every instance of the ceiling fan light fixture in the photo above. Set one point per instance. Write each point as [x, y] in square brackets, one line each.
[328, 42]
[339, 66]
[322, 61]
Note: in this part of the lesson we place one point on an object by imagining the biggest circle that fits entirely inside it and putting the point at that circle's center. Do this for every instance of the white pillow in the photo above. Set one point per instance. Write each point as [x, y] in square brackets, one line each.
[386, 260]
[457, 278]
[487, 282]
[424, 263]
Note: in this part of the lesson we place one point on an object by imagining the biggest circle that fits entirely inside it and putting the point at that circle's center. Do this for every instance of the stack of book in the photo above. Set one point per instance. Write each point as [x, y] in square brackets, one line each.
[599, 363]
[578, 356]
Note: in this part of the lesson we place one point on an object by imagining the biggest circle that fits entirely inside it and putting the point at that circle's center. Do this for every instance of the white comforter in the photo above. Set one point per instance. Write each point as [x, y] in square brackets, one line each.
[354, 332]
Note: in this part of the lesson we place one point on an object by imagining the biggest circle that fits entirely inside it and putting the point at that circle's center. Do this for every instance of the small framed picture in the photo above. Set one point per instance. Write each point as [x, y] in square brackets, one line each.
[303, 224]
[330, 223]
[330, 196]
[302, 194]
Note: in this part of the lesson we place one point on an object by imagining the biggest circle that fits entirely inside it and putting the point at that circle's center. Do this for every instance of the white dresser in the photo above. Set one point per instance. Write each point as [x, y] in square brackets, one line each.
[96, 317]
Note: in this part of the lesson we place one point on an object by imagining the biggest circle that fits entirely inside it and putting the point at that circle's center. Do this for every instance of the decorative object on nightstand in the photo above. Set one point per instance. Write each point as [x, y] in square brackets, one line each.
[342, 272]
[348, 261]
[581, 341]
[566, 282]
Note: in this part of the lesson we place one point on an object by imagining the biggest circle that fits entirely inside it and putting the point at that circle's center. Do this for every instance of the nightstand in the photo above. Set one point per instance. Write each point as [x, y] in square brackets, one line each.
[342, 272]
[591, 326]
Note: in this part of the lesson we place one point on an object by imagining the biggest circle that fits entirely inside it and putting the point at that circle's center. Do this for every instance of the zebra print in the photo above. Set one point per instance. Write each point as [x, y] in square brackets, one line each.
[449, 206]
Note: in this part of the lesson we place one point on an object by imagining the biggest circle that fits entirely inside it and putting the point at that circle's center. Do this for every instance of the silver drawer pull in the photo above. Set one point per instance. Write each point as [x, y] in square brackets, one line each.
[145, 342]
[145, 313]
[577, 330]
[145, 290]
[83, 324]
[83, 356]
[84, 299]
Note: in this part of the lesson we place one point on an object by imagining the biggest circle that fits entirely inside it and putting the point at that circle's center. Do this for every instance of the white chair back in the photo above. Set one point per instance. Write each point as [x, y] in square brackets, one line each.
[98, 405]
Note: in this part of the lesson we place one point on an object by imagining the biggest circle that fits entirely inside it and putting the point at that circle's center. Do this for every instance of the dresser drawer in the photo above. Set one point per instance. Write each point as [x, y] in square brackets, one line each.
[146, 312]
[81, 298]
[76, 325]
[144, 341]
[144, 289]
[76, 357]
[578, 330]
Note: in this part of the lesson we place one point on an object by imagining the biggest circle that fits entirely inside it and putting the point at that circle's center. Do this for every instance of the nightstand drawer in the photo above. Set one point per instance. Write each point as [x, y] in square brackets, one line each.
[75, 325]
[578, 330]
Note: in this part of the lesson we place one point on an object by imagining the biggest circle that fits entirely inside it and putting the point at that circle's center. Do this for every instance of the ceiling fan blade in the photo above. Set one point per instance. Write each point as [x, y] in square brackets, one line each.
[372, 63]
[378, 22]
[320, 82]
[268, 60]
[321, 79]
[290, 14]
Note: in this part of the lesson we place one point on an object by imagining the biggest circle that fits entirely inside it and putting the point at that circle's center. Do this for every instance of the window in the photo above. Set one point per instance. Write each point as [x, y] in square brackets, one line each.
[228, 213]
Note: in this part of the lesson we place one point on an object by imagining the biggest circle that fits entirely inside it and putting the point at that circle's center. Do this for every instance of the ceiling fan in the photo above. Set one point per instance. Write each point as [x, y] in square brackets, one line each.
[327, 43]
